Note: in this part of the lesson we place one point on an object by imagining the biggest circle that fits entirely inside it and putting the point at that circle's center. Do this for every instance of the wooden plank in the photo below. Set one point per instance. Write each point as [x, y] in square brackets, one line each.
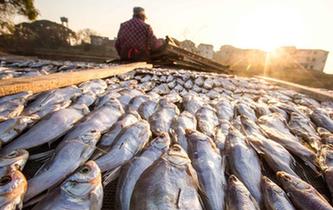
[318, 94]
[48, 82]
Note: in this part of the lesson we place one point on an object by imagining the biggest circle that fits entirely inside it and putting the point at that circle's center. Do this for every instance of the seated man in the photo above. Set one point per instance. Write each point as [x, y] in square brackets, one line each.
[136, 39]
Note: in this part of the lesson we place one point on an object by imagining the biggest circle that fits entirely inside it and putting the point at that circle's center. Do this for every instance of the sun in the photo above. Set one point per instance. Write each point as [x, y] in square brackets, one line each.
[268, 28]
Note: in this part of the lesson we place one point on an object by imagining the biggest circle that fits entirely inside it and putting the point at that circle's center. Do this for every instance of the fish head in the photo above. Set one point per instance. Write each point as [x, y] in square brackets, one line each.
[161, 142]
[83, 181]
[325, 156]
[269, 186]
[291, 182]
[177, 156]
[16, 158]
[13, 184]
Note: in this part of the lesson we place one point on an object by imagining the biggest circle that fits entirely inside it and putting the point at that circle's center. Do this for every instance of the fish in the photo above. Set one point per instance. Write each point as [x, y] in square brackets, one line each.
[274, 154]
[275, 127]
[57, 124]
[160, 121]
[207, 162]
[147, 108]
[87, 99]
[325, 157]
[51, 101]
[23, 96]
[135, 103]
[174, 170]
[207, 120]
[132, 171]
[245, 110]
[11, 109]
[13, 186]
[322, 119]
[329, 179]
[244, 163]
[127, 94]
[222, 131]
[224, 110]
[239, 197]
[94, 86]
[69, 155]
[100, 119]
[13, 127]
[128, 143]
[325, 135]
[192, 103]
[261, 109]
[302, 194]
[274, 197]
[109, 138]
[16, 159]
[302, 127]
[180, 123]
[82, 190]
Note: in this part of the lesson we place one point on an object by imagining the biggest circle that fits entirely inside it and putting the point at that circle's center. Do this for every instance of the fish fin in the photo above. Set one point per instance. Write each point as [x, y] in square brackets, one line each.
[42, 156]
[110, 176]
[46, 159]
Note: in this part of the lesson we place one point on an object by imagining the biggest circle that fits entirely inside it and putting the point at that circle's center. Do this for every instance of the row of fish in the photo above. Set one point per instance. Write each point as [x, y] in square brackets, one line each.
[171, 140]
[17, 68]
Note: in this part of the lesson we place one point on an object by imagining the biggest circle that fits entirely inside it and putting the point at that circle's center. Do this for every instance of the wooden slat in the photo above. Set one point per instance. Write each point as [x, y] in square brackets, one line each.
[48, 82]
[318, 94]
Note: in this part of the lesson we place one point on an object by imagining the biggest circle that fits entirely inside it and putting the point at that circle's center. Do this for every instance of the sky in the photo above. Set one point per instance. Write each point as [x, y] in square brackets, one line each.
[262, 24]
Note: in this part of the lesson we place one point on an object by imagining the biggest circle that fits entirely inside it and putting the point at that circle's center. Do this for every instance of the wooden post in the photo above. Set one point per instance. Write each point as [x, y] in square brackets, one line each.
[318, 94]
[57, 80]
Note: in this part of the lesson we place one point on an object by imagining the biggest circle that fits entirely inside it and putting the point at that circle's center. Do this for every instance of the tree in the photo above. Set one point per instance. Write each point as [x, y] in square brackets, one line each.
[10, 8]
[83, 36]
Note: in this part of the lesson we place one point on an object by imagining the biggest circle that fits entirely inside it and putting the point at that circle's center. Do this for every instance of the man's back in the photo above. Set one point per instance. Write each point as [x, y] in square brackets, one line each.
[134, 35]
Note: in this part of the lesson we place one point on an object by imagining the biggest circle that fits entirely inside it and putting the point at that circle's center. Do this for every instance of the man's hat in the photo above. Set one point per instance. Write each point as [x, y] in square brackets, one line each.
[138, 10]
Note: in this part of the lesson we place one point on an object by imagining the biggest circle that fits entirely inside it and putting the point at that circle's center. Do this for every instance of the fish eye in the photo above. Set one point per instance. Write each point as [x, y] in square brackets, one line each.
[5, 180]
[84, 170]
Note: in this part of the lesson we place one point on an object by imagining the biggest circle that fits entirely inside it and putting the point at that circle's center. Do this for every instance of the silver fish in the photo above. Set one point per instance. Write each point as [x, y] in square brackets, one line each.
[244, 163]
[275, 127]
[16, 159]
[207, 120]
[174, 170]
[51, 101]
[57, 123]
[239, 197]
[95, 86]
[128, 143]
[131, 173]
[325, 135]
[182, 122]
[100, 119]
[135, 103]
[13, 186]
[322, 119]
[224, 109]
[160, 121]
[208, 164]
[13, 127]
[222, 131]
[274, 197]
[302, 194]
[303, 128]
[192, 103]
[10, 109]
[68, 156]
[109, 138]
[147, 108]
[325, 157]
[83, 190]
[23, 96]
[245, 110]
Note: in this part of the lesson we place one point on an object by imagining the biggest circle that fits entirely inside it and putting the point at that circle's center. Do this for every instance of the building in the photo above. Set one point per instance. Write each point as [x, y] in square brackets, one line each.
[241, 59]
[206, 50]
[99, 40]
[188, 45]
[283, 58]
[311, 59]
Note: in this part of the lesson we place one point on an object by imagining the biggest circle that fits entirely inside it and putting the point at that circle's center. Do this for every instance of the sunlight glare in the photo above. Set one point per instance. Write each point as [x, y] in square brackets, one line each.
[268, 28]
